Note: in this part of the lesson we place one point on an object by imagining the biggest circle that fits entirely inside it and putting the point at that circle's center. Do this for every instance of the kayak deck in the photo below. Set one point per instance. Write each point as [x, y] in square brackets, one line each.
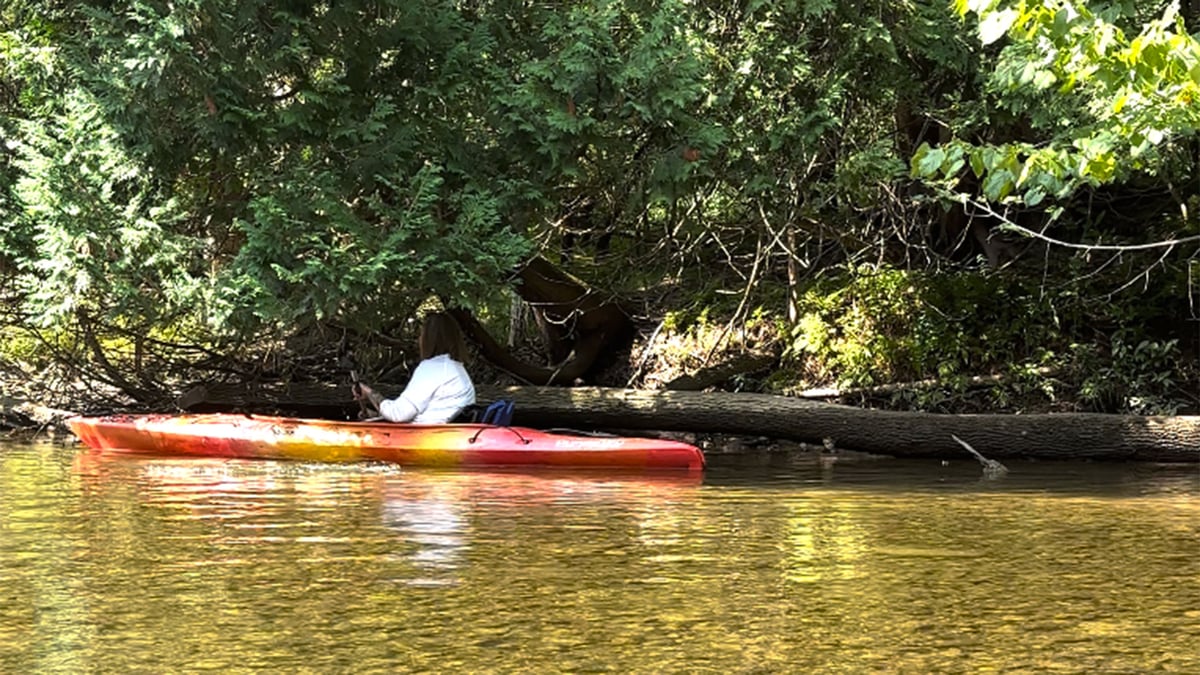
[264, 437]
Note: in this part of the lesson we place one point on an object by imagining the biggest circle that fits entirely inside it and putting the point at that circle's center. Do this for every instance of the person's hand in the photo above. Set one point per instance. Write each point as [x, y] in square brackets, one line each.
[367, 395]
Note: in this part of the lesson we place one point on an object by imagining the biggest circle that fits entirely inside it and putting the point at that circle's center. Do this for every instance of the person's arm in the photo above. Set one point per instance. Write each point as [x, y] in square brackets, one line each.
[398, 409]
[393, 410]
[410, 403]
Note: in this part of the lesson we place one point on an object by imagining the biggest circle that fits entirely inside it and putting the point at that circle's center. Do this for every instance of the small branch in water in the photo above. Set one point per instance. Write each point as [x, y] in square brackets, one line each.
[991, 467]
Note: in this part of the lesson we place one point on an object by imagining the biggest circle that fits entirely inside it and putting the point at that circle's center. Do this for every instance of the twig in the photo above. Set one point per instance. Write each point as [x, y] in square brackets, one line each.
[991, 468]
[737, 315]
[1145, 273]
[645, 354]
[1009, 224]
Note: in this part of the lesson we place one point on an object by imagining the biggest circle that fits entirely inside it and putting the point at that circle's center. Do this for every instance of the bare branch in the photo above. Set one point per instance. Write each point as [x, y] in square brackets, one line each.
[1010, 225]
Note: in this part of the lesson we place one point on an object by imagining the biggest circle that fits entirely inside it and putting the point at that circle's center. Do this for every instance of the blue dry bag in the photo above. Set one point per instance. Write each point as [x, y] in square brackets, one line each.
[499, 413]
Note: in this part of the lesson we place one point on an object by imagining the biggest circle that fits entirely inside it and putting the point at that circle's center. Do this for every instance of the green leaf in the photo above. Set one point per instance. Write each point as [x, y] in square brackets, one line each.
[995, 25]
[998, 184]
[929, 162]
[1044, 79]
[977, 166]
[978, 6]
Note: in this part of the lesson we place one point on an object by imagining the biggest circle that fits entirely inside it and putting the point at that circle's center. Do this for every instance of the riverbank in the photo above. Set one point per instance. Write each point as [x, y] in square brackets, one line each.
[738, 413]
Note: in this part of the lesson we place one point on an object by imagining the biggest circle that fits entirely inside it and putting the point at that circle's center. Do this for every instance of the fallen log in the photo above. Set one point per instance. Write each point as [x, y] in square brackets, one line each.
[902, 434]
[26, 416]
[1091, 436]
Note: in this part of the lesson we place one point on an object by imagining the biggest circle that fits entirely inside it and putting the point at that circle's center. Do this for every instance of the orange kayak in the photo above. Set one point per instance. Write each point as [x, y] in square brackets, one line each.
[262, 437]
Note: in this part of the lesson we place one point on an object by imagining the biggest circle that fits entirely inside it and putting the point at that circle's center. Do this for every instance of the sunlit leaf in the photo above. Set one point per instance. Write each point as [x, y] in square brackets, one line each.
[930, 161]
[995, 25]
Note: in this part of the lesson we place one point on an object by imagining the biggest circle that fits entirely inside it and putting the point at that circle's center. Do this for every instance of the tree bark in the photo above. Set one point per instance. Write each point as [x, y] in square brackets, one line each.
[902, 434]
[1090, 436]
[578, 323]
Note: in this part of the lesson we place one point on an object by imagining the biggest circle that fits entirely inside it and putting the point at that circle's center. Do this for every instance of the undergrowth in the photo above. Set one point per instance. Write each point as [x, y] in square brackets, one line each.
[960, 341]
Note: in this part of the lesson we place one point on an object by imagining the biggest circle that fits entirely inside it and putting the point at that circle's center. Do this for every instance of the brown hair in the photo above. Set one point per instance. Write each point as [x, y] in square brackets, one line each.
[440, 334]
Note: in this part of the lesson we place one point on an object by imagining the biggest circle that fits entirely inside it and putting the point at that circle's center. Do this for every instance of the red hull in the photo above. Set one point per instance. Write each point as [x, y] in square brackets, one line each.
[258, 437]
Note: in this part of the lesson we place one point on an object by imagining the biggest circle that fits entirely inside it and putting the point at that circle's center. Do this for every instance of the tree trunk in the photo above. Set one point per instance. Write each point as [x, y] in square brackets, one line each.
[579, 324]
[902, 434]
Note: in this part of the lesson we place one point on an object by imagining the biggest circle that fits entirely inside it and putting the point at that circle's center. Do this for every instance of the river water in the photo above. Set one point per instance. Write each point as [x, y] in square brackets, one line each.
[117, 564]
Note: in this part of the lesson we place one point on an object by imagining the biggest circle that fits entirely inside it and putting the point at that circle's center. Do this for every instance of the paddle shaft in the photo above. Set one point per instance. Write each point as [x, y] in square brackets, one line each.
[364, 402]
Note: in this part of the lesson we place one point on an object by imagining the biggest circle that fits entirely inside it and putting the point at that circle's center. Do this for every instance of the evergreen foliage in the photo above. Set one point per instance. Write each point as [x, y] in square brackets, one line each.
[192, 178]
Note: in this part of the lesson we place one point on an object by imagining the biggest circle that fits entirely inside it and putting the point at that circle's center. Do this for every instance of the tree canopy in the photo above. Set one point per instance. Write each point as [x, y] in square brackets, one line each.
[1107, 100]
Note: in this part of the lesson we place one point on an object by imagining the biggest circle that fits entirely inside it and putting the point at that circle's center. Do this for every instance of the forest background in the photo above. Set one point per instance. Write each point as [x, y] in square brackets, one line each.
[920, 204]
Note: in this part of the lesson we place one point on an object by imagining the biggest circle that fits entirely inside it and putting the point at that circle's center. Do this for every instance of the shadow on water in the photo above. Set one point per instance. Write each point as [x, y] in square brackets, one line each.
[879, 473]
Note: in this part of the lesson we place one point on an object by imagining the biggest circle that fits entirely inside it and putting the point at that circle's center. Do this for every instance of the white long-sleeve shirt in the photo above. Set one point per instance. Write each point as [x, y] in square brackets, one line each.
[438, 390]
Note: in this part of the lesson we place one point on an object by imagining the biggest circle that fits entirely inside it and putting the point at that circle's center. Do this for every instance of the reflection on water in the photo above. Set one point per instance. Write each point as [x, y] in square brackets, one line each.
[146, 564]
[433, 522]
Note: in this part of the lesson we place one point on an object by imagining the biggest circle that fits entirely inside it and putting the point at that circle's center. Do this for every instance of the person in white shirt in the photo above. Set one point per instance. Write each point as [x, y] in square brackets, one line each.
[440, 386]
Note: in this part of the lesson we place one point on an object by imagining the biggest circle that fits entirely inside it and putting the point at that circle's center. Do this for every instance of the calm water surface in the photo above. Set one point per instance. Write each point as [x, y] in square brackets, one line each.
[111, 564]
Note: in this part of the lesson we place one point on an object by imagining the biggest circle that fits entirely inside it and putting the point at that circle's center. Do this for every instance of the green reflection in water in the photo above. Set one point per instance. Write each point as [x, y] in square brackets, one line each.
[136, 564]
